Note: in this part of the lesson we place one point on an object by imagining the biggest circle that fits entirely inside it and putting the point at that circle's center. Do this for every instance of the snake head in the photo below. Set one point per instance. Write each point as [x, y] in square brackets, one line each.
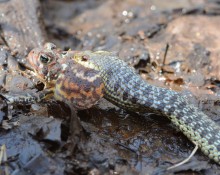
[44, 62]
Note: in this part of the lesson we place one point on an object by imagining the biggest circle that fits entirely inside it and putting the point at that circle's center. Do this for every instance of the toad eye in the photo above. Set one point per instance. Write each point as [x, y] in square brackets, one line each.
[44, 59]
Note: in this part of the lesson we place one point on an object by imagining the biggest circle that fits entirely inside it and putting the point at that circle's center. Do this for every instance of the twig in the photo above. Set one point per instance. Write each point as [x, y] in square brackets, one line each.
[126, 147]
[187, 159]
[3, 158]
[165, 54]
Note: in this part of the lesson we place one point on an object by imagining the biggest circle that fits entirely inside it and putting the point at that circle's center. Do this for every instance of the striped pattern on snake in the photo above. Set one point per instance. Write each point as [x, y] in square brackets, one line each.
[126, 89]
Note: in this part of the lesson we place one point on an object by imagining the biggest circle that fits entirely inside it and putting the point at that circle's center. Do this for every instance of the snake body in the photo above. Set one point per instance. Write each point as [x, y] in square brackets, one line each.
[126, 89]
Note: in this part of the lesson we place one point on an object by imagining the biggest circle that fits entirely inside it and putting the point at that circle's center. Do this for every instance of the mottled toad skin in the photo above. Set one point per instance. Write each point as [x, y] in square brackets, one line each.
[77, 85]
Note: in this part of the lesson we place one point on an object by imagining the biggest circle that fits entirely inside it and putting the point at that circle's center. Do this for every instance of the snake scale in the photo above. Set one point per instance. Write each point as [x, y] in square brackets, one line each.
[81, 78]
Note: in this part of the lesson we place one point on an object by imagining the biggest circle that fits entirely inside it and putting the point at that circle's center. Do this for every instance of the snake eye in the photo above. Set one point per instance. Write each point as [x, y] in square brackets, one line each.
[44, 59]
[85, 58]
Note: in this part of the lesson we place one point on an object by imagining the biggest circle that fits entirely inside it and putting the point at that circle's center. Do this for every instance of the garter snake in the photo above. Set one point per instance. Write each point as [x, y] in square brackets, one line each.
[81, 78]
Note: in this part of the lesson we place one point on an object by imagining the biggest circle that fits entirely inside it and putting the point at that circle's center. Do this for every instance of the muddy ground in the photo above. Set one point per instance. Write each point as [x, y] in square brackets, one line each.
[173, 44]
